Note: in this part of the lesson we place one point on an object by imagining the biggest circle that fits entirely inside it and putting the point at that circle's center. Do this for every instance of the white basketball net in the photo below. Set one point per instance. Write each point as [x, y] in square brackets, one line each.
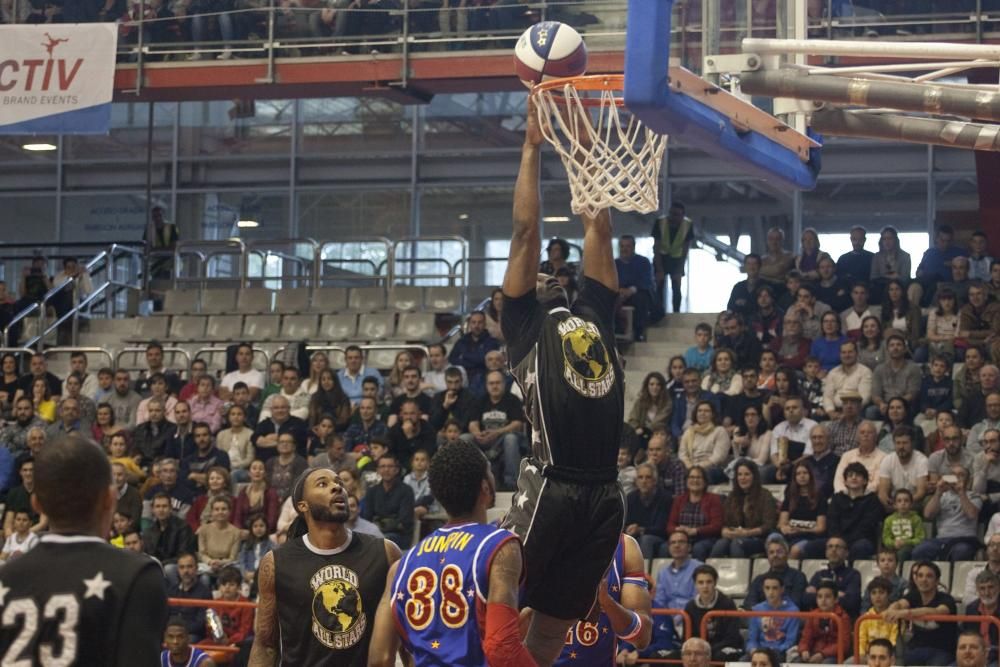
[608, 164]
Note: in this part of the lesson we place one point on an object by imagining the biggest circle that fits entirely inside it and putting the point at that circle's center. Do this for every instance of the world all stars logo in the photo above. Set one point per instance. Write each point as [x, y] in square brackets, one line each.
[587, 365]
[338, 616]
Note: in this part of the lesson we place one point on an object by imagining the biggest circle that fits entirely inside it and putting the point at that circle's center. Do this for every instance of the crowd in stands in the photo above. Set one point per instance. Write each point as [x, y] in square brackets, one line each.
[204, 467]
[838, 409]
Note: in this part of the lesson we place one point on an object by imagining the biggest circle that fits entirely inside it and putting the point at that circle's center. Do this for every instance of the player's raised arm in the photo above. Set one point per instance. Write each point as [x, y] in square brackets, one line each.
[526, 242]
[266, 634]
[502, 642]
[385, 641]
[598, 259]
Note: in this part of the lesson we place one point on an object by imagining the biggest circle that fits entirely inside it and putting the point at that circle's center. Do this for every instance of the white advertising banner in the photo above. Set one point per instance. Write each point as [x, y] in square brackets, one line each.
[57, 78]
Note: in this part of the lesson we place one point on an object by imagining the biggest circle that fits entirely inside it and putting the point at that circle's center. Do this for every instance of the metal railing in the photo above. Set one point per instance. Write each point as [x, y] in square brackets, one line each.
[404, 29]
[405, 252]
[939, 618]
[364, 253]
[842, 627]
[299, 255]
[203, 260]
[108, 292]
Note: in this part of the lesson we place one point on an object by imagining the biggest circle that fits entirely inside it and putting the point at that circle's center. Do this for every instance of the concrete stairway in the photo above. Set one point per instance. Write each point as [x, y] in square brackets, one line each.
[671, 336]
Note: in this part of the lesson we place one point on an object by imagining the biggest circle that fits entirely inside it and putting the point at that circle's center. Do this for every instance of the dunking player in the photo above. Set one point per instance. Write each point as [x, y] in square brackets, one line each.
[569, 509]
[625, 613]
[319, 591]
[75, 599]
[453, 597]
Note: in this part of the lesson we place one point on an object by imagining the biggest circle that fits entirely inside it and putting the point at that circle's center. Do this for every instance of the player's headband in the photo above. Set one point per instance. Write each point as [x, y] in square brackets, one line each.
[299, 488]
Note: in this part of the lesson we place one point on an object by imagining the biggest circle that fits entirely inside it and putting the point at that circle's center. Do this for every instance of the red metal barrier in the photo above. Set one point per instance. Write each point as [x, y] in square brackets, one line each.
[212, 604]
[842, 627]
[941, 618]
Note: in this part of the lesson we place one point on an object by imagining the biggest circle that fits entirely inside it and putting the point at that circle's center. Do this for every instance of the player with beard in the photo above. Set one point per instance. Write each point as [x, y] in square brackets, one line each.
[569, 510]
[453, 597]
[319, 590]
[75, 599]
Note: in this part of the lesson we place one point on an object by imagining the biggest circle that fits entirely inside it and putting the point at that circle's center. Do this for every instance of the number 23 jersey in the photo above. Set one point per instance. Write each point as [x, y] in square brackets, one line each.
[440, 593]
[77, 601]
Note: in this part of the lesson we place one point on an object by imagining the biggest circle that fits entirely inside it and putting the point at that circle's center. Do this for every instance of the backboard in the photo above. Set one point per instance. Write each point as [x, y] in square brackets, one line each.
[695, 112]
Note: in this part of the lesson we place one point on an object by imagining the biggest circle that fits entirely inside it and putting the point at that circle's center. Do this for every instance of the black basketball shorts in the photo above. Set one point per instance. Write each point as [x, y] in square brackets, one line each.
[569, 531]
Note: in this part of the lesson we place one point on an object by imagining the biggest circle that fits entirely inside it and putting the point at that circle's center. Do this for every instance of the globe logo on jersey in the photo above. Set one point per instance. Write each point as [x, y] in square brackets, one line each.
[338, 618]
[587, 364]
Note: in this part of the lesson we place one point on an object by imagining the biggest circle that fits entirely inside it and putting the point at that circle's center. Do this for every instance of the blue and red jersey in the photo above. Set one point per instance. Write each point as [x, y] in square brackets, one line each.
[440, 592]
[593, 644]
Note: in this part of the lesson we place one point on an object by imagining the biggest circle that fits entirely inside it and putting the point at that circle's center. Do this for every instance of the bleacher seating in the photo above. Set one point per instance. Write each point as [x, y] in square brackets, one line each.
[224, 327]
[261, 327]
[218, 301]
[734, 576]
[292, 300]
[255, 300]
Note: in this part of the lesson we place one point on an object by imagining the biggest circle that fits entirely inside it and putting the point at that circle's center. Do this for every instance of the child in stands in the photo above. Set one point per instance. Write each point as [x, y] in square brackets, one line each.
[255, 547]
[821, 638]
[237, 622]
[811, 389]
[879, 592]
[904, 528]
[699, 355]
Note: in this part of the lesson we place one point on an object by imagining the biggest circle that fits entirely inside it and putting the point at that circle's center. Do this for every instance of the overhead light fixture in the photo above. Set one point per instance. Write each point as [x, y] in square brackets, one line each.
[39, 147]
[247, 224]
[556, 218]
[463, 216]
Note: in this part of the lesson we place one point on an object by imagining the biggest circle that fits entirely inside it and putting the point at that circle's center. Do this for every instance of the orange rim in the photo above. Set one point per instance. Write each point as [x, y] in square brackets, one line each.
[592, 83]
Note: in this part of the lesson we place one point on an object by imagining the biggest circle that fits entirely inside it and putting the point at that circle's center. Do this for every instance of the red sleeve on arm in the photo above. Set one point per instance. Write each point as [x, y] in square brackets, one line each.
[502, 643]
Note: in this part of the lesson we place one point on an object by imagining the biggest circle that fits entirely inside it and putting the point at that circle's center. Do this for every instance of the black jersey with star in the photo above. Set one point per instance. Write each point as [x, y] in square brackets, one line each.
[566, 364]
[78, 601]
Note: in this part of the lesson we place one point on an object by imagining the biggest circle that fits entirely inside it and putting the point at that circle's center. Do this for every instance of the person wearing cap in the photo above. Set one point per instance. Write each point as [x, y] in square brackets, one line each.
[321, 566]
[776, 548]
[843, 432]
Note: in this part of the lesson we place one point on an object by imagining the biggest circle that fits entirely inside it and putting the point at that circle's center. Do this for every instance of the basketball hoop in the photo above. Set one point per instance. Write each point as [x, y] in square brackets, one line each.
[611, 158]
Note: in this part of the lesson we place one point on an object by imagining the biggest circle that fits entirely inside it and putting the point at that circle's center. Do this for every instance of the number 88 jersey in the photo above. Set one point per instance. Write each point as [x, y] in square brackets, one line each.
[440, 592]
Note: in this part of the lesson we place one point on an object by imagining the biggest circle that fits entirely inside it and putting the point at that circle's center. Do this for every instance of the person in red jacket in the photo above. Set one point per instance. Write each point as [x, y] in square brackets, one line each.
[697, 513]
[820, 636]
[237, 622]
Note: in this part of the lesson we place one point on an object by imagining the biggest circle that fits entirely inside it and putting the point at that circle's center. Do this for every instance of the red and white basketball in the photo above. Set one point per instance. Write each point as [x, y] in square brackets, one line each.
[549, 50]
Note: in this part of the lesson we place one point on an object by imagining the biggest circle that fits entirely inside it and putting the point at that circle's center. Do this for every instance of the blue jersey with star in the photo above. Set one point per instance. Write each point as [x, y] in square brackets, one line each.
[440, 592]
[595, 643]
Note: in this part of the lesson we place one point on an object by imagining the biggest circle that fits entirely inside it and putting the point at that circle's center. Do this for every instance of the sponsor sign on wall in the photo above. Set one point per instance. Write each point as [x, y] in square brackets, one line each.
[57, 78]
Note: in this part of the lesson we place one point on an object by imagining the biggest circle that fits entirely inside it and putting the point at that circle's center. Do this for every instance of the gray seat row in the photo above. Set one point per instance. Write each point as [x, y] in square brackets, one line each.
[346, 326]
[255, 300]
